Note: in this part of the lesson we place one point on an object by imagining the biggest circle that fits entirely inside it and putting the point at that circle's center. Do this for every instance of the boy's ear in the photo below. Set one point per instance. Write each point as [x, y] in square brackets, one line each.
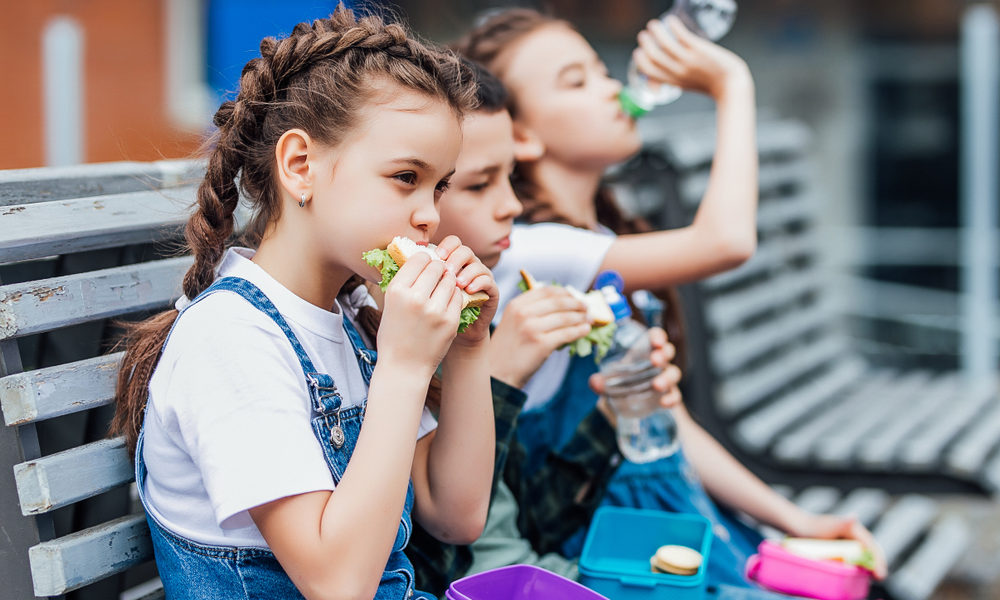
[527, 145]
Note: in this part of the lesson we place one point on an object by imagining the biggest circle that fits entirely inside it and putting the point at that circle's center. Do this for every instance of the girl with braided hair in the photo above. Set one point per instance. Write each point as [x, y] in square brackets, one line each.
[275, 456]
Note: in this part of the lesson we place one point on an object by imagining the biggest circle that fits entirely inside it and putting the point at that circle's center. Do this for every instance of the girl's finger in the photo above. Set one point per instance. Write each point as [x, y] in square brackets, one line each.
[558, 320]
[656, 55]
[684, 36]
[564, 335]
[671, 399]
[448, 245]
[662, 357]
[668, 41]
[651, 70]
[482, 283]
[657, 337]
[668, 379]
[469, 271]
[411, 270]
[427, 280]
[443, 291]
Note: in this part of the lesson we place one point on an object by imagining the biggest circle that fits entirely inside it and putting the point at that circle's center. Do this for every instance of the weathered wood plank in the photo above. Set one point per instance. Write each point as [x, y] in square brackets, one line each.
[796, 445]
[838, 448]
[60, 479]
[30, 231]
[905, 520]
[743, 391]
[48, 304]
[59, 390]
[759, 429]
[943, 547]
[45, 184]
[73, 561]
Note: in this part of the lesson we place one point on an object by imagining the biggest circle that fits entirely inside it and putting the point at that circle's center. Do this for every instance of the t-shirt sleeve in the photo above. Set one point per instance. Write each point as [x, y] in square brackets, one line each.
[243, 412]
[551, 253]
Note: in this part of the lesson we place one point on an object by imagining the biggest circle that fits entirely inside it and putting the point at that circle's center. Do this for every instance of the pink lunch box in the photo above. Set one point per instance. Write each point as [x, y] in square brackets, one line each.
[780, 570]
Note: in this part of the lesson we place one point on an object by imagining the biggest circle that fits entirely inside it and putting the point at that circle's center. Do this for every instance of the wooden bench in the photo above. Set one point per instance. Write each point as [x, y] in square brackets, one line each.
[78, 246]
[774, 376]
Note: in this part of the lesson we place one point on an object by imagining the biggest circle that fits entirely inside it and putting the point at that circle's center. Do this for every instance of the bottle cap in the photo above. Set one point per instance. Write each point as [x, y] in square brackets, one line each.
[629, 104]
[612, 278]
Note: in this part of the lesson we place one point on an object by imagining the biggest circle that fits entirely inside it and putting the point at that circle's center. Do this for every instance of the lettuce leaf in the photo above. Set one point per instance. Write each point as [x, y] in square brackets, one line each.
[468, 317]
[866, 560]
[598, 342]
[381, 260]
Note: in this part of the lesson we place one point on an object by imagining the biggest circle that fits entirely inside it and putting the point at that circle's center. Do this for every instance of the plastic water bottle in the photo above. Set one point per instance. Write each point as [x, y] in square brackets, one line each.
[645, 430]
[711, 19]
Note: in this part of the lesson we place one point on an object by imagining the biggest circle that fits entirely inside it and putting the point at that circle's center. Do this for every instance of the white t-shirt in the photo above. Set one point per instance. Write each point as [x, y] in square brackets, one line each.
[550, 252]
[228, 420]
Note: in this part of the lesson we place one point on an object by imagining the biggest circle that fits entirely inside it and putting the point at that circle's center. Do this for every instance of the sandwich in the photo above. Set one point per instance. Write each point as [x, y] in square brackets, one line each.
[399, 250]
[851, 552]
[599, 315]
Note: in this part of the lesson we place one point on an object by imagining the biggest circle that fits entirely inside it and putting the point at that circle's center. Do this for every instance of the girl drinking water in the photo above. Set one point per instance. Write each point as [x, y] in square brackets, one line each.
[568, 128]
[276, 455]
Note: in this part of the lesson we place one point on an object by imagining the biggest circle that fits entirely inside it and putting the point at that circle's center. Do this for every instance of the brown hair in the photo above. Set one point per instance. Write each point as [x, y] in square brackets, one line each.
[316, 79]
[485, 44]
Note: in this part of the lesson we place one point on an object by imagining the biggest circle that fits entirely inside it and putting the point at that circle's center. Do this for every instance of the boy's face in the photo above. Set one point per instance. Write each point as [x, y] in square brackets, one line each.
[480, 206]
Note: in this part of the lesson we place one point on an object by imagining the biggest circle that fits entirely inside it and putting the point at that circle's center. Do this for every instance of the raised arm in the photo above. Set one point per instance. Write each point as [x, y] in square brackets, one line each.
[724, 231]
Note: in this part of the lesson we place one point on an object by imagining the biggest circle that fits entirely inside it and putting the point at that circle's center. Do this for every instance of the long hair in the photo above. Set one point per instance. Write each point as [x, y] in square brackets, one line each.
[316, 79]
[486, 44]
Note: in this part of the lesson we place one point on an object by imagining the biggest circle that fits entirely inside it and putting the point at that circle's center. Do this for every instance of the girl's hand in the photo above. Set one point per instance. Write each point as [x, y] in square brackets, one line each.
[661, 354]
[472, 276]
[420, 316]
[674, 55]
[840, 527]
[534, 325]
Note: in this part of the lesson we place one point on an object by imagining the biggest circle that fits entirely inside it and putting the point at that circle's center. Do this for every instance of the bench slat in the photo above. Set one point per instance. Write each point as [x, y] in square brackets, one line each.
[747, 345]
[726, 312]
[25, 186]
[742, 391]
[879, 451]
[759, 429]
[773, 178]
[30, 231]
[943, 547]
[66, 477]
[692, 141]
[902, 523]
[970, 453]
[73, 561]
[48, 304]
[59, 390]
[818, 499]
[926, 448]
[796, 445]
[866, 504]
[838, 448]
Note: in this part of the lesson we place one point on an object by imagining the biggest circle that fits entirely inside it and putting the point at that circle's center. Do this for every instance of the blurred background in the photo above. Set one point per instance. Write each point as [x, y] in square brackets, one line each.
[902, 160]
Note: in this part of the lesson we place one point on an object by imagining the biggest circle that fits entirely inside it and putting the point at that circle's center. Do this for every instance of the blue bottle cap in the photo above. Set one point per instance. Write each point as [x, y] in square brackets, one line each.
[612, 278]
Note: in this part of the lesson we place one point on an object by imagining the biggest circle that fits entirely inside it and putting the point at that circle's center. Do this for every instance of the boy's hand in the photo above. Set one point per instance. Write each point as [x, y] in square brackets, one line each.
[534, 325]
[666, 382]
[472, 276]
[674, 55]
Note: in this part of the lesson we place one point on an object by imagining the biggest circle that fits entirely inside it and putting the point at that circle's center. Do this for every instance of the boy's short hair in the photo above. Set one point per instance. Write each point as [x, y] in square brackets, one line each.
[491, 95]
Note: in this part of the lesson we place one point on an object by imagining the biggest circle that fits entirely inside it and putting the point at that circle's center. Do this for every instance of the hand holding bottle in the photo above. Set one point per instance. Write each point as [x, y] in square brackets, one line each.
[661, 354]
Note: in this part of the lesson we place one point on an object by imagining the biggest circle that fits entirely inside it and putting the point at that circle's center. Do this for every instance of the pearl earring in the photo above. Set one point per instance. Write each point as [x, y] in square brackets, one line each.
[302, 199]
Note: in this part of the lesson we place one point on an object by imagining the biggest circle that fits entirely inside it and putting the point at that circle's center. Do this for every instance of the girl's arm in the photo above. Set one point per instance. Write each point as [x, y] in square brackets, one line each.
[336, 544]
[453, 466]
[724, 232]
[735, 486]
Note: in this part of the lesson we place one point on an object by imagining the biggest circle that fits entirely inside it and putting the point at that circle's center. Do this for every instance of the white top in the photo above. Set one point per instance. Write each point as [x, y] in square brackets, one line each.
[228, 420]
[551, 253]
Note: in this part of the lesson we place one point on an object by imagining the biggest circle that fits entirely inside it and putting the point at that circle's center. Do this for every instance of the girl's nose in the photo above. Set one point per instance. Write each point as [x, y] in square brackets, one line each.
[426, 217]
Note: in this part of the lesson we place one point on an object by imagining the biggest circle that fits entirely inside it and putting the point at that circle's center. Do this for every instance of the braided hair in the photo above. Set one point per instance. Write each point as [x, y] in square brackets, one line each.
[316, 79]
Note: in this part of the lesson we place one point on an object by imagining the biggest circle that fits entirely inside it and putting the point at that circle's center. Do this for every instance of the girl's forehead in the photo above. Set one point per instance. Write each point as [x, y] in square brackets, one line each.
[547, 51]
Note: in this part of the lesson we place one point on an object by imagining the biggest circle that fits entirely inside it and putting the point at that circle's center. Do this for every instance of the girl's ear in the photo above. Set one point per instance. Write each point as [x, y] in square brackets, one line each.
[527, 145]
[292, 155]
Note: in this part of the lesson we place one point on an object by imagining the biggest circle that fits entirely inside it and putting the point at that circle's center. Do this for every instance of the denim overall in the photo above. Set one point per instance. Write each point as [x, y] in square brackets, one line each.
[669, 484]
[192, 570]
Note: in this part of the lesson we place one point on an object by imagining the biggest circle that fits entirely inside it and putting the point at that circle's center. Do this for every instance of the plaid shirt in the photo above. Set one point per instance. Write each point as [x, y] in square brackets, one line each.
[555, 501]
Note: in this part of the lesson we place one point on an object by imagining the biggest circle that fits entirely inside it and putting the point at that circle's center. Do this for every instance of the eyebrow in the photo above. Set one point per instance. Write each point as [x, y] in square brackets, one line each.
[413, 161]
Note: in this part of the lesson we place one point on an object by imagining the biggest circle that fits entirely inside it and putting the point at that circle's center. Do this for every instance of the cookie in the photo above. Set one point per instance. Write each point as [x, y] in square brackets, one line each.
[675, 560]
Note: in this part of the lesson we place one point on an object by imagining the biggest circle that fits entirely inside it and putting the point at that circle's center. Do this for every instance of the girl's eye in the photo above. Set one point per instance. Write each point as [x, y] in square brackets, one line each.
[442, 187]
[478, 187]
[409, 177]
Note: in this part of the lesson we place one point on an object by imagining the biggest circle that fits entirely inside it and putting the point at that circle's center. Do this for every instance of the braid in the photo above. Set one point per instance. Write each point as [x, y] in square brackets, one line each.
[316, 79]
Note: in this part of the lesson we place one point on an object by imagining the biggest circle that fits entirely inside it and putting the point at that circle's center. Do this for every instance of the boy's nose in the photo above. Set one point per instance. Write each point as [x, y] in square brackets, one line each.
[508, 207]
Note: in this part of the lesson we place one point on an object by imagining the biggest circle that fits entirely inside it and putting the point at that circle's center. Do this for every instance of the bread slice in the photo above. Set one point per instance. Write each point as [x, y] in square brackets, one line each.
[529, 282]
[599, 313]
[403, 248]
